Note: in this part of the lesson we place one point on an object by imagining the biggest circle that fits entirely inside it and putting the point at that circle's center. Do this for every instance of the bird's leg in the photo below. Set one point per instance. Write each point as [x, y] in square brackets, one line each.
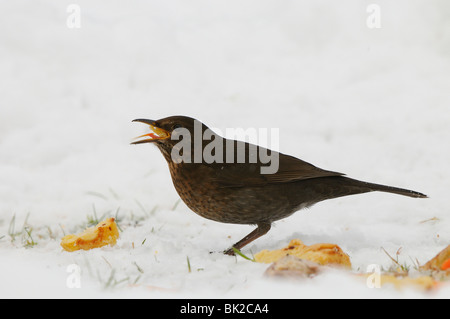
[262, 229]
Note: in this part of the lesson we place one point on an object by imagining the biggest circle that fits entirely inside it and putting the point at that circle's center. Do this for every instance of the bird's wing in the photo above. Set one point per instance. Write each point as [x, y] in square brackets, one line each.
[293, 169]
[290, 169]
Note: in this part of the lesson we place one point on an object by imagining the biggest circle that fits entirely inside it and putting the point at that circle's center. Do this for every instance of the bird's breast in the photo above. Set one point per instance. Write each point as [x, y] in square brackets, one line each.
[239, 205]
[198, 190]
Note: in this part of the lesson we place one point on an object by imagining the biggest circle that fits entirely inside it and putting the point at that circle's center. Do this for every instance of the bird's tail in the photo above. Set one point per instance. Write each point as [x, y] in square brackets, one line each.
[370, 187]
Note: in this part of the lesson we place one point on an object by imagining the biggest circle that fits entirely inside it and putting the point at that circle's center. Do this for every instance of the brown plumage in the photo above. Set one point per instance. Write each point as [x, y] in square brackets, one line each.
[231, 192]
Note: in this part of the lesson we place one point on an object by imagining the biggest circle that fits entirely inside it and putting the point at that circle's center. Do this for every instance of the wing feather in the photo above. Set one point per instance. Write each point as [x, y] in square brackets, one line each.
[290, 169]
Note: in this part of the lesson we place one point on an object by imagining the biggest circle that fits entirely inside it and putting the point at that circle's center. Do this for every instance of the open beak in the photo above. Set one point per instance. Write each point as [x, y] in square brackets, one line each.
[156, 134]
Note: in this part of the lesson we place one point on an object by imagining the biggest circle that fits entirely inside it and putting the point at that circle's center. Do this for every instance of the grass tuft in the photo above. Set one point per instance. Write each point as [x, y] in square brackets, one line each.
[188, 264]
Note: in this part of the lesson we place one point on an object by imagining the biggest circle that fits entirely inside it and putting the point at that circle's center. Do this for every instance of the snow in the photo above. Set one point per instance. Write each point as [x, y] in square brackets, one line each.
[372, 103]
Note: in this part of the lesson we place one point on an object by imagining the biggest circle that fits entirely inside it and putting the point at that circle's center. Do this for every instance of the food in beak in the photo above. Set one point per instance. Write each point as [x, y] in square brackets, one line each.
[156, 134]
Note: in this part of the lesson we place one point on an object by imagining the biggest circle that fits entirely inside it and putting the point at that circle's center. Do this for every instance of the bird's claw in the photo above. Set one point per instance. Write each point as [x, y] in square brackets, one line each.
[229, 252]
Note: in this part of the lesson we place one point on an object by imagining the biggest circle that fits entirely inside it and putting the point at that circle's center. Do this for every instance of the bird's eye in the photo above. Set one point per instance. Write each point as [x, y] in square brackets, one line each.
[176, 126]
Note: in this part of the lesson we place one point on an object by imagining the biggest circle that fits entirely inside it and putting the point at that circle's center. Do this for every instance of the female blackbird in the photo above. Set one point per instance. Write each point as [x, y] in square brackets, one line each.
[224, 180]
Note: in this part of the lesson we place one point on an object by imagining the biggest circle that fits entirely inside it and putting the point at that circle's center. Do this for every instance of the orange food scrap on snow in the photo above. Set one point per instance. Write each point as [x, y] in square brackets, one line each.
[105, 233]
[446, 265]
[322, 254]
[440, 262]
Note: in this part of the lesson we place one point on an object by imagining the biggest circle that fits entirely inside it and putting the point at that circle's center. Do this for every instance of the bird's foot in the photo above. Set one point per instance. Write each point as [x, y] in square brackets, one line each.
[258, 232]
[229, 252]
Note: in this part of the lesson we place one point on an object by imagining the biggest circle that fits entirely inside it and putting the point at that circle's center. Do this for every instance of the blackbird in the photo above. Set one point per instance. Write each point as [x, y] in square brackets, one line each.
[215, 181]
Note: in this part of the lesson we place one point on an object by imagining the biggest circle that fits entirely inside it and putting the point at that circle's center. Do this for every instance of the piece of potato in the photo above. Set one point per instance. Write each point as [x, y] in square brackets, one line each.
[105, 233]
[294, 268]
[323, 254]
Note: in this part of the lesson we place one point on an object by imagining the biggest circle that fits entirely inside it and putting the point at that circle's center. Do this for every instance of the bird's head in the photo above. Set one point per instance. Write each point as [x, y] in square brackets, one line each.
[166, 133]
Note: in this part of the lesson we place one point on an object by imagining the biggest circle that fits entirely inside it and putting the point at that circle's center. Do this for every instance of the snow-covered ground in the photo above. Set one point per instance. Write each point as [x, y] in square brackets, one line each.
[370, 102]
